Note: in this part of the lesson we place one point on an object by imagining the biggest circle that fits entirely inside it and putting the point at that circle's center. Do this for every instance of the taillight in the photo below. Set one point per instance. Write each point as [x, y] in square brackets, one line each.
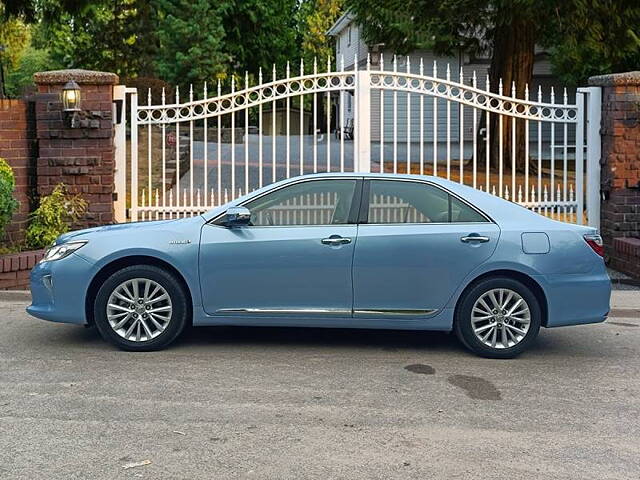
[595, 242]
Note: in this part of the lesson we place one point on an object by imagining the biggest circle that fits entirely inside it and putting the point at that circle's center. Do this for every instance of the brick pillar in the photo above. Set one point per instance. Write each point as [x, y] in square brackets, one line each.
[80, 156]
[620, 207]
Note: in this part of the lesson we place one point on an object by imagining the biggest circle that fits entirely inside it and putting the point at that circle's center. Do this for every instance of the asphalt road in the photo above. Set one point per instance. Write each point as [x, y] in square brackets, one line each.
[297, 404]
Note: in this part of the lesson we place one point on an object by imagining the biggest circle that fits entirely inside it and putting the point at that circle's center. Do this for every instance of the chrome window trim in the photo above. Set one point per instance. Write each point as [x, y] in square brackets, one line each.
[425, 223]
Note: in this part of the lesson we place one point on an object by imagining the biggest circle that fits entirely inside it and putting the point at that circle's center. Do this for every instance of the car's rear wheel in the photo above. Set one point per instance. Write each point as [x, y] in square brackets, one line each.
[498, 318]
[141, 308]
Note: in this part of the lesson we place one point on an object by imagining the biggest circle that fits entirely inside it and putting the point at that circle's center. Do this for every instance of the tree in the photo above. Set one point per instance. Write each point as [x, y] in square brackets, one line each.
[117, 36]
[14, 39]
[595, 37]
[28, 9]
[601, 35]
[315, 19]
[33, 60]
[191, 38]
[260, 33]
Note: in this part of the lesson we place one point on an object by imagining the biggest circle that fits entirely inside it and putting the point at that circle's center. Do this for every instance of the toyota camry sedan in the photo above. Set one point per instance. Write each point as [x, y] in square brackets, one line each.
[337, 251]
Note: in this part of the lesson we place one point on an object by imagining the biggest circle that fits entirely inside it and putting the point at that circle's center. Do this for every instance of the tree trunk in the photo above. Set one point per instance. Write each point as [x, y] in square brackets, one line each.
[512, 61]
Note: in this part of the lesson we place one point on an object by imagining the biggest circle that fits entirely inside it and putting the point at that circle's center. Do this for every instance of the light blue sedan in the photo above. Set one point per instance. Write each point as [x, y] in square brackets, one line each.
[332, 250]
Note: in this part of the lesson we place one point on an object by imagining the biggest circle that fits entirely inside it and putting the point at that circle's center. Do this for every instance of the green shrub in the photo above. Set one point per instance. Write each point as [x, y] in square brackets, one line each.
[8, 204]
[55, 215]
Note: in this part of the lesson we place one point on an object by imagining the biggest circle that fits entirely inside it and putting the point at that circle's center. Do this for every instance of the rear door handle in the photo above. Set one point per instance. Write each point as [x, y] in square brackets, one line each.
[474, 238]
[335, 240]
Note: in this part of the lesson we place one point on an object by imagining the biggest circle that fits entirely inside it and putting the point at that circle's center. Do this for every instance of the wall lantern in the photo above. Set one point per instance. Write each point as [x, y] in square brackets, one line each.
[71, 97]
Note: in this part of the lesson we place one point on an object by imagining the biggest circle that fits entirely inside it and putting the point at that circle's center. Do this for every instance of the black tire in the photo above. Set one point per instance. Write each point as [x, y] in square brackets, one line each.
[178, 318]
[463, 325]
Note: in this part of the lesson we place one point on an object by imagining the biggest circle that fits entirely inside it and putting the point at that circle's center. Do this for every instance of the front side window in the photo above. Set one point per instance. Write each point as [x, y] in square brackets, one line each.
[412, 202]
[318, 202]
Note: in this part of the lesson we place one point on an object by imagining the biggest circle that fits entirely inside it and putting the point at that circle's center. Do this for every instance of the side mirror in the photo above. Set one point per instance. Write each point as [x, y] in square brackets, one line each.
[236, 217]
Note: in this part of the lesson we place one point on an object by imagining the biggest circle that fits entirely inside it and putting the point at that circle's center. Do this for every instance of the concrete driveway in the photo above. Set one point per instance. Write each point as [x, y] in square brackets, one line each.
[295, 404]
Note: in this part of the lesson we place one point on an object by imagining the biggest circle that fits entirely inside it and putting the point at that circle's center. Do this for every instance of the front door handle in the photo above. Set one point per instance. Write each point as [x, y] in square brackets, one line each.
[474, 238]
[335, 240]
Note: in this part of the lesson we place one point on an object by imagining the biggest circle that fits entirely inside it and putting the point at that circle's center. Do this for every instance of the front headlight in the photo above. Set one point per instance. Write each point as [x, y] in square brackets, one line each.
[57, 252]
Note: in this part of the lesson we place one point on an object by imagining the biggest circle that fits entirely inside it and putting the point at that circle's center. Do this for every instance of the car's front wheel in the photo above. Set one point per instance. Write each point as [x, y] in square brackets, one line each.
[141, 308]
[498, 318]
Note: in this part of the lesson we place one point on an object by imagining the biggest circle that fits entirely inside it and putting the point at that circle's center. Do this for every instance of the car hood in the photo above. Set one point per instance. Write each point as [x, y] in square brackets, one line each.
[87, 232]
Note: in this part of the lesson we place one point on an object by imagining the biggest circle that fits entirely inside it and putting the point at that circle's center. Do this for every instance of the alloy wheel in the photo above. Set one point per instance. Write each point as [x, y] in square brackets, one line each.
[139, 309]
[500, 318]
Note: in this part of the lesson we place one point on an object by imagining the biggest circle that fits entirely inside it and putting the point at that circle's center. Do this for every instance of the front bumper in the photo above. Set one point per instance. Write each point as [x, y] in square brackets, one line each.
[58, 290]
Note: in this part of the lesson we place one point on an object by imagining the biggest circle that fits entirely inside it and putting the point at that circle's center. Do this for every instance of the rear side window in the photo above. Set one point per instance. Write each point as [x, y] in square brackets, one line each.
[392, 201]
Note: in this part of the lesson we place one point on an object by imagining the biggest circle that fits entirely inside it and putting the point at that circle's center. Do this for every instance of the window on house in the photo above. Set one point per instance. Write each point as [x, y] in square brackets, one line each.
[349, 37]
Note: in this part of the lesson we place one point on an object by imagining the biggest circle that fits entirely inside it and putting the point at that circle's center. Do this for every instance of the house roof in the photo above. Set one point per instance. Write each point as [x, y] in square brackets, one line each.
[343, 22]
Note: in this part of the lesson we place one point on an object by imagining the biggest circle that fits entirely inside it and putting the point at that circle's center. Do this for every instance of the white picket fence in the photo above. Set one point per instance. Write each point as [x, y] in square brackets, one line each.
[184, 157]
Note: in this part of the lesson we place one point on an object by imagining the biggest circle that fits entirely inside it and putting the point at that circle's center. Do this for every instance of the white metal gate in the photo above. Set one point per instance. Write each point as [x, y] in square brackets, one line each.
[182, 158]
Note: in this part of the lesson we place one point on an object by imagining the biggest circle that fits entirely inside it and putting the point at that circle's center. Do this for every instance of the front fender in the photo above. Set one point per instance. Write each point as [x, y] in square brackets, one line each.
[175, 243]
[183, 258]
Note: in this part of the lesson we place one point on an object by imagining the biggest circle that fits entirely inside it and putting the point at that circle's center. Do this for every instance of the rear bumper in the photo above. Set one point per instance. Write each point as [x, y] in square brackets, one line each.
[577, 299]
[58, 290]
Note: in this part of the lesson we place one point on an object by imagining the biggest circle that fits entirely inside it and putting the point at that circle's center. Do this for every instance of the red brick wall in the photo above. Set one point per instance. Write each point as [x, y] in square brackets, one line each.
[81, 158]
[18, 148]
[627, 255]
[15, 268]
